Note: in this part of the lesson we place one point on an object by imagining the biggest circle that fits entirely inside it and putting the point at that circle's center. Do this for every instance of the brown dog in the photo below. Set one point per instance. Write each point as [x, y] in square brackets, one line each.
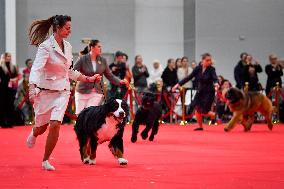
[244, 106]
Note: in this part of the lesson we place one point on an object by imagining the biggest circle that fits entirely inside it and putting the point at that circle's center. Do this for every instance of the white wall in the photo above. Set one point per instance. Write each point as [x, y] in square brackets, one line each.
[152, 28]
[2, 29]
[219, 23]
[189, 29]
[158, 30]
[110, 21]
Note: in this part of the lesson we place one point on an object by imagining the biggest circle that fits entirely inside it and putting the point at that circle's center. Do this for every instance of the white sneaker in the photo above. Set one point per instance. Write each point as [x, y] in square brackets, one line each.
[92, 162]
[122, 161]
[46, 166]
[31, 139]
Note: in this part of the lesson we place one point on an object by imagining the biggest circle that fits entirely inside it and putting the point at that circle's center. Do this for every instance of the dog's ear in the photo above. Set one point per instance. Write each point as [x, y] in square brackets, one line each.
[110, 100]
[111, 105]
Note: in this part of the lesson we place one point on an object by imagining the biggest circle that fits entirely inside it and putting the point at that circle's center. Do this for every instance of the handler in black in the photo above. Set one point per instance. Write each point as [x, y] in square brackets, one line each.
[205, 95]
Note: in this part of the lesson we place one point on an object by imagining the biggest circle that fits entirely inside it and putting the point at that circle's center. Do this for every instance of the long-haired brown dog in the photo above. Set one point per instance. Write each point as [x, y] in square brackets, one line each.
[244, 106]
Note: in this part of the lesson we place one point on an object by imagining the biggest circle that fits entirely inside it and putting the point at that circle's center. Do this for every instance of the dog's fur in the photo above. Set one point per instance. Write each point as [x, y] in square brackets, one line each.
[148, 114]
[97, 124]
[244, 107]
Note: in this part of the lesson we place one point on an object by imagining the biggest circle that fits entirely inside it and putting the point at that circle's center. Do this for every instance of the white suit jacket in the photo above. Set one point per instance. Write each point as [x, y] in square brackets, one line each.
[52, 68]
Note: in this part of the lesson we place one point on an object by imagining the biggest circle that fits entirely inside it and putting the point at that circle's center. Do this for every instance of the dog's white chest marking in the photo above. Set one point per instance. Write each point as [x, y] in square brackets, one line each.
[107, 131]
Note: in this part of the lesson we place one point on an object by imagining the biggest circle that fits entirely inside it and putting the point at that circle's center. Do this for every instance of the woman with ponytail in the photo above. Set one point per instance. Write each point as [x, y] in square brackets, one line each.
[49, 85]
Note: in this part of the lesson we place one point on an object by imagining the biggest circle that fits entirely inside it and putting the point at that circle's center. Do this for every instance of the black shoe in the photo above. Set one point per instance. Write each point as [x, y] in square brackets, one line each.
[198, 129]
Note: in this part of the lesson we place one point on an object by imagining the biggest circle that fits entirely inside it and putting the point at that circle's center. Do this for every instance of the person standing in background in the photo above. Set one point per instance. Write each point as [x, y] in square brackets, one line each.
[9, 77]
[274, 73]
[22, 98]
[140, 74]
[118, 68]
[239, 71]
[155, 73]
[252, 68]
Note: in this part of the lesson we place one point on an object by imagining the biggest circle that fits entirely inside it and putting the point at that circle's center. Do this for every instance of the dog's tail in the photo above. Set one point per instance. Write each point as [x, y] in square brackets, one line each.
[81, 134]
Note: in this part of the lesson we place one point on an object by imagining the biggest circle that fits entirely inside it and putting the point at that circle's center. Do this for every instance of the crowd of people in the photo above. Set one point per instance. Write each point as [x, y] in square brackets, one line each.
[18, 110]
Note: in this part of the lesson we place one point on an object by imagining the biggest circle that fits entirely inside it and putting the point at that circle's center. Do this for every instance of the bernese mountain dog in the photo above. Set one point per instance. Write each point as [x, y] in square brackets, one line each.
[149, 114]
[98, 124]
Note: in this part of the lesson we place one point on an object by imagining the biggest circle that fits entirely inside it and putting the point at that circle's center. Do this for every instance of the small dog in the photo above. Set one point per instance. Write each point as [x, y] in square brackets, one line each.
[244, 107]
[98, 124]
[148, 114]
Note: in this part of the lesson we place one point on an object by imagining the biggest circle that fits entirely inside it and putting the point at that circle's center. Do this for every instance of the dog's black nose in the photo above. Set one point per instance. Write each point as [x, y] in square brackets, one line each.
[121, 114]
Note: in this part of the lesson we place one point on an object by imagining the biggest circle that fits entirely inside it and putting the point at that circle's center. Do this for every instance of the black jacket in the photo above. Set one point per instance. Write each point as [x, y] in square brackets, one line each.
[239, 74]
[273, 76]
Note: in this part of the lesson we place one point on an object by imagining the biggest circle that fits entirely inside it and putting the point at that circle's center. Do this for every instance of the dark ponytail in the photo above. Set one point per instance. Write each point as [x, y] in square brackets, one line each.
[40, 29]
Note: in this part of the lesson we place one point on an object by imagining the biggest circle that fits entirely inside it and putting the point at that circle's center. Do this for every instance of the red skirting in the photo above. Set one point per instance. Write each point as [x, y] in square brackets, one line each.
[178, 158]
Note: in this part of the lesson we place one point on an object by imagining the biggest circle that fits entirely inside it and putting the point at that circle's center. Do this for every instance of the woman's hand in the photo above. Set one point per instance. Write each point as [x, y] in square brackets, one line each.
[175, 87]
[124, 82]
[33, 91]
[94, 78]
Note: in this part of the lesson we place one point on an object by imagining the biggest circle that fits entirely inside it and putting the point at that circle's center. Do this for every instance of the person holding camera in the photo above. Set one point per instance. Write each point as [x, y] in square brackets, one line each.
[252, 68]
[118, 68]
[274, 73]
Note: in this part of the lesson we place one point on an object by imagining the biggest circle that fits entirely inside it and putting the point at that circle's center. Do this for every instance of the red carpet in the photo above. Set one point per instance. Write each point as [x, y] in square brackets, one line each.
[178, 158]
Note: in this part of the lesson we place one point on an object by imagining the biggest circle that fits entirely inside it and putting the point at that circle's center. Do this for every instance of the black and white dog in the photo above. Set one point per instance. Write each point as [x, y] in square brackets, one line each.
[98, 124]
[148, 114]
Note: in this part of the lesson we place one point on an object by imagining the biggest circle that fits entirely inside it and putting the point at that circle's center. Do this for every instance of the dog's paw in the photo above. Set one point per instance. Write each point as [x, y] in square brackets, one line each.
[226, 129]
[92, 162]
[89, 161]
[144, 135]
[122, 161]
[151, 138]
[270, 126]
[86, 160]
[133, 138]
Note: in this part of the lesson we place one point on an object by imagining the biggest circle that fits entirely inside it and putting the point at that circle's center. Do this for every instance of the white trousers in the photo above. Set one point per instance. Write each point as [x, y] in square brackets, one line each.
[86, 100]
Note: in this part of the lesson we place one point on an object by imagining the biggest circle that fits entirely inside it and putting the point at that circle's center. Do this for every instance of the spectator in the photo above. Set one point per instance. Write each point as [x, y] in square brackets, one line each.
[220, 79]
[252, 67]
[140, 74]
[128, 74]
[22, 99]
[194, 80]
[239, 71]
[183, 71]
[222, 110]
[9, 77]
[169, 75]
[178, 63]
[274, 73]
[27, 70]
[155, 73]
[118, 68]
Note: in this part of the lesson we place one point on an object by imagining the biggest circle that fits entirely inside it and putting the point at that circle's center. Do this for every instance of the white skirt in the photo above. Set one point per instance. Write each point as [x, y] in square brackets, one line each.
[50, 105]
